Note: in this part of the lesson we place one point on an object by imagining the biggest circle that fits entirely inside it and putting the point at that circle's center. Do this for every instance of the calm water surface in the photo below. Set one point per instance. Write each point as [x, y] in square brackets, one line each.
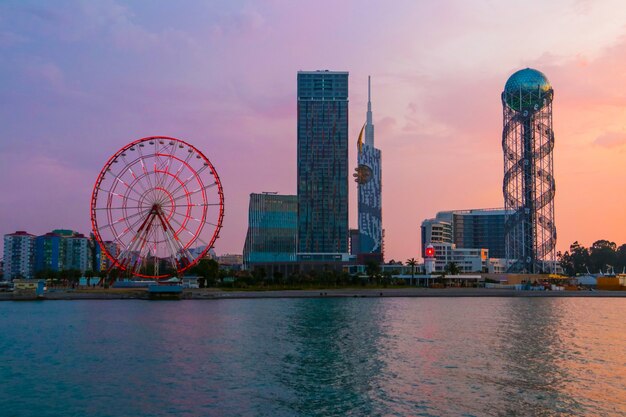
[314, 357]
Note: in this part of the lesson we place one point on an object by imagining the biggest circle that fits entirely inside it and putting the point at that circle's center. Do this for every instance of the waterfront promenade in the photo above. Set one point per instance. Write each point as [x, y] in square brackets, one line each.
[217, 294]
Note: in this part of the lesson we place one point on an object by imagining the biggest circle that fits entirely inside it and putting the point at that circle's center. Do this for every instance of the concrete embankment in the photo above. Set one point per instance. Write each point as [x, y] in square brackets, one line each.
[213, 294]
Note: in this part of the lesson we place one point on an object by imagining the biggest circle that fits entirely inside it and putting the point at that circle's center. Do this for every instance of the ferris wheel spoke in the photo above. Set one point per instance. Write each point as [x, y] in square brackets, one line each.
[182, 227]
[206, 187]
[122, 219]
[128, 229]
[183, 164]
[129, 168]
[138, 239]
[117, 208]
[163, 170]
[122, 196]
[129, 189]
[176, 246]
[192, 205]
[145, 171]
[194, 175]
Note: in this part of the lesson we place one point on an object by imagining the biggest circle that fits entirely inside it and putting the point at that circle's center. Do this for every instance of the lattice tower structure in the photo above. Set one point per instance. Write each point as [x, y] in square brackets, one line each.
[529, 186]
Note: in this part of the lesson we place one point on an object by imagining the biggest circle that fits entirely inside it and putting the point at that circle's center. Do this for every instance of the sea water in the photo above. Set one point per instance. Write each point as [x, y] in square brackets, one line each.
[314, 357]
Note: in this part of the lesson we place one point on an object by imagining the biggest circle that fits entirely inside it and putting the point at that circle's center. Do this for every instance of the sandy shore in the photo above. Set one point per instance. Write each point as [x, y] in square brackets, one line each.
[214, 294]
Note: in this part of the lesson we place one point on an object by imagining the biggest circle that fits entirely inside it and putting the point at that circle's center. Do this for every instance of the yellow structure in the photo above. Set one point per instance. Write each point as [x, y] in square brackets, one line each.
[609, 283]
[25, 284]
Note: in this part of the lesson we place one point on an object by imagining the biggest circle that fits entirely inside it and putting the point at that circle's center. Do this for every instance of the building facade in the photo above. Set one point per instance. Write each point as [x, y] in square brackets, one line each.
[77, 253]
[49, 252]
[468, 229]
[19, 255]
[272, 229]
[63, 249]
[467, 260]
[355, 246]
[322, 162]
[368, 177]
[437, 230]
[480, 228]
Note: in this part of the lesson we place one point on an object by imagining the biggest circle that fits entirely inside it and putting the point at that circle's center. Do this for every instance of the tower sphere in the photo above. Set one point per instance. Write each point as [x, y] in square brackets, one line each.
[527, 89]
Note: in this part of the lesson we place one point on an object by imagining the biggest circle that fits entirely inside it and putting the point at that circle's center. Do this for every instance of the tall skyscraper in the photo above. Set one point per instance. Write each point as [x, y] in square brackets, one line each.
[272, 229]
[528, 186]
[322, 162]
[368, 177]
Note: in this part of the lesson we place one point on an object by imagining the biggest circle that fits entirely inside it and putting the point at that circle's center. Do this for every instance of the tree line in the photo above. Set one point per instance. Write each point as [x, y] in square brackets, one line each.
[602, 256]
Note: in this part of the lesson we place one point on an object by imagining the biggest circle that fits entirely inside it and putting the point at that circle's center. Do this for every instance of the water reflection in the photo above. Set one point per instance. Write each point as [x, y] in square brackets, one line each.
[332, 355]
[531, 348]
[316, 357]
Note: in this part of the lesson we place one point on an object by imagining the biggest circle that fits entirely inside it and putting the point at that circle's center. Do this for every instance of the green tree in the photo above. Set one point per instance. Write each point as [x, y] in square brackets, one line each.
[452, 269]
[41, 274]
[259, 274]
[89, 274]
[620, 259]
[278, 277]
[602, 255]
[208, 271]
[412, 263]
[579, 258]
[566, 262]
[372, 269]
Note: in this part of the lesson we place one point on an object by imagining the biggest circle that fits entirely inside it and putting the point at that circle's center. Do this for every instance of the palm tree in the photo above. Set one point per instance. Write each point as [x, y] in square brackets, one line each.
[412, 263]
[452, 269]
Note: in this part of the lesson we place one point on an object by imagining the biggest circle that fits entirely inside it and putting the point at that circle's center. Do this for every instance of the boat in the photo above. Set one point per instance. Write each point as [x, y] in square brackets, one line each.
[166, 290]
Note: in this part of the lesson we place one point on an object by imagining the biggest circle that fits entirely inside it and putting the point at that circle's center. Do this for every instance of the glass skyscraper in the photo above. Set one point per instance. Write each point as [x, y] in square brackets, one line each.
[322, 162]
[272, 229]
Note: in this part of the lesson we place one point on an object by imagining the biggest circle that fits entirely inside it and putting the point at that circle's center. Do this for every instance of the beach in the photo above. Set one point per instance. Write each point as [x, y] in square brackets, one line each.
[218, 294]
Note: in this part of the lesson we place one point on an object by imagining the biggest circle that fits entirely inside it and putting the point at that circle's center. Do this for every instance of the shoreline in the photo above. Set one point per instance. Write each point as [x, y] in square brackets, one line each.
[216, 294]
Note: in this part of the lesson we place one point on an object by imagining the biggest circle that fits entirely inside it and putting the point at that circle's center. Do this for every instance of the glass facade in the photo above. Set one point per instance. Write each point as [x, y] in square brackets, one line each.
[272, 229]
[480, 229]
[322, 162]
[468, 229]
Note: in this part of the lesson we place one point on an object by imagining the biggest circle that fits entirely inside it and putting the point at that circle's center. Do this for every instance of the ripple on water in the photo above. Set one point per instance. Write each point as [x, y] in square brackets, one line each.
[315, 357]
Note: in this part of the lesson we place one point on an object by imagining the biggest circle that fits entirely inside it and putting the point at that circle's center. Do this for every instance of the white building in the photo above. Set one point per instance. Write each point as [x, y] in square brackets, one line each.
[437, 230]
[230, 259]
[498, 265]
[19, 255]
[466, 259]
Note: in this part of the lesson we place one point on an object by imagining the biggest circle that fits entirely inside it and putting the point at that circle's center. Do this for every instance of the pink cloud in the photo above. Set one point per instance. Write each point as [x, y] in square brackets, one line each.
[611, 140]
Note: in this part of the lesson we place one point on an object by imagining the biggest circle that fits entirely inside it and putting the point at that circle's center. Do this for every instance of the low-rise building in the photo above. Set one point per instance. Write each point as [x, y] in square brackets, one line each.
[467, 260]
[230, 261]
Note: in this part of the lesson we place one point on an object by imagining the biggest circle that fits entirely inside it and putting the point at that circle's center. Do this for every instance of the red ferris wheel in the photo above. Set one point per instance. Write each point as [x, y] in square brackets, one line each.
[157, 207]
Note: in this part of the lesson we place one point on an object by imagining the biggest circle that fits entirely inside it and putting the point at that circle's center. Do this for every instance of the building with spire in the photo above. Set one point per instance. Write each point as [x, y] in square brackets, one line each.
[368, 177]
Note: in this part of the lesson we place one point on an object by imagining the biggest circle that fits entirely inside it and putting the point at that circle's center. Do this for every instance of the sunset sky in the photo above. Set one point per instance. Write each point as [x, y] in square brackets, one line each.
[80, 79]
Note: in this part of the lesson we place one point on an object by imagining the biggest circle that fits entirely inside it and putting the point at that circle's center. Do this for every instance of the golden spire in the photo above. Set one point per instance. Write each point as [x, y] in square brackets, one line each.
[360, 142]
